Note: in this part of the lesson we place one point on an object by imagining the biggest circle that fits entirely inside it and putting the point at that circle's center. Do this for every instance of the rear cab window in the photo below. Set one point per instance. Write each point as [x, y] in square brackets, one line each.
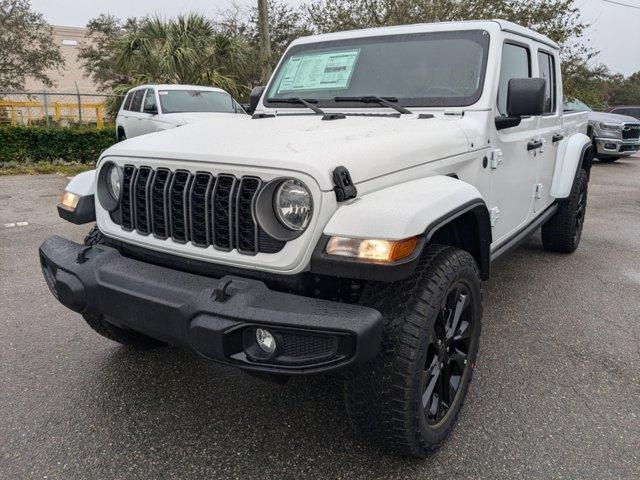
[547, 69]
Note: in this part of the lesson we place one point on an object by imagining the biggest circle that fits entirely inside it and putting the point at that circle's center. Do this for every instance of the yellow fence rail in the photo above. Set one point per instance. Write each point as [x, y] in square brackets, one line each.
[35, 111]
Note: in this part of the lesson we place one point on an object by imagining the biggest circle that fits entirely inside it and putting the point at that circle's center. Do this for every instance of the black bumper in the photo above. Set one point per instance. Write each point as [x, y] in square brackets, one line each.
[216, 318]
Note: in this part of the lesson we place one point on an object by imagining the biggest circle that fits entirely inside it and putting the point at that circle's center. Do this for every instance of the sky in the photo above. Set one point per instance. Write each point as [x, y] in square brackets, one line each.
[614, 31]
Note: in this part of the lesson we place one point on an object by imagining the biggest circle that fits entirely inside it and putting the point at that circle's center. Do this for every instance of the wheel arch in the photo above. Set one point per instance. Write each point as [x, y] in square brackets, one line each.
[574, 152]
[467, 228]
[438, 209]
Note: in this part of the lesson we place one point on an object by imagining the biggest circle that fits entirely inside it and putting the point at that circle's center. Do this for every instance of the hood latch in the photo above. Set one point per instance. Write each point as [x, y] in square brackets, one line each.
[344, 187]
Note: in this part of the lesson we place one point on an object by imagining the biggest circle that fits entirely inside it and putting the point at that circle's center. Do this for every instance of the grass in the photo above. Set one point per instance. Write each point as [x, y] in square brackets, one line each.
[45, 167]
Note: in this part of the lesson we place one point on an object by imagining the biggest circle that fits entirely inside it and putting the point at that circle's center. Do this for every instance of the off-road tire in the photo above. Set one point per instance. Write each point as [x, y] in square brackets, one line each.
[384, 397]
[106, 329]
[562, 232]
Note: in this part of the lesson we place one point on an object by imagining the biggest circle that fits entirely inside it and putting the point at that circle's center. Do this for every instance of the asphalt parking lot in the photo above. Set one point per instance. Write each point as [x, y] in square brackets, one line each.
[556, 392]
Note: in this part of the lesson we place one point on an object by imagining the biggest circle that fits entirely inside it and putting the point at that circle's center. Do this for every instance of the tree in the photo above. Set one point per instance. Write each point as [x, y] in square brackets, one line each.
[190, 49]
[623, 91]
[286, 23]
[97, 53]
[27, 49]
[265, 41]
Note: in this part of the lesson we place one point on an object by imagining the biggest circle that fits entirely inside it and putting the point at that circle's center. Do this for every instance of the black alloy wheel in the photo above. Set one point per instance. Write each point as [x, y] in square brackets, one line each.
[447, 354]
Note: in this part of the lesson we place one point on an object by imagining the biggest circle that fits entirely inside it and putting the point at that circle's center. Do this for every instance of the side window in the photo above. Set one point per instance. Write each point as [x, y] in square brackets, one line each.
[516, 63]
[634, 112]
[127, 101]
[547, 68]
[150, 101]
[136, 102]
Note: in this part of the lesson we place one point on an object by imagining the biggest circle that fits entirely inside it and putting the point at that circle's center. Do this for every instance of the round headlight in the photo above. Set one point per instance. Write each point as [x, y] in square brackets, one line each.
[293, 205]
[114, 181]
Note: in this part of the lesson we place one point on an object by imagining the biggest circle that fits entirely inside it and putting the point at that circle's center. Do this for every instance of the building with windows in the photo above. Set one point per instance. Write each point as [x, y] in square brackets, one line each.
[65, 79]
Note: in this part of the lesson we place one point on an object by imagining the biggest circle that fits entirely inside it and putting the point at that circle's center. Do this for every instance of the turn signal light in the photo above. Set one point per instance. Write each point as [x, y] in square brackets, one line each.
[375, 250]
[69, 200]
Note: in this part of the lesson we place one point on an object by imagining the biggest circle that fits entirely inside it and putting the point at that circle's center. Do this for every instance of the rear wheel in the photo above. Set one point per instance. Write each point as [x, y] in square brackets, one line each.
[106, 329]
[563, 230]
[121, 135]
[409, 398]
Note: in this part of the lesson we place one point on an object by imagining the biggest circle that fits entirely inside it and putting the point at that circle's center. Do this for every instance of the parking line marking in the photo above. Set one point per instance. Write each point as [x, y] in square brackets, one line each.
[16, 224]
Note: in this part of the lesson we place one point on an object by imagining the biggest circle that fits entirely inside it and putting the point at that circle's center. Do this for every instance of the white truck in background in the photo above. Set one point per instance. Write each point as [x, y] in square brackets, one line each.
[346, 225]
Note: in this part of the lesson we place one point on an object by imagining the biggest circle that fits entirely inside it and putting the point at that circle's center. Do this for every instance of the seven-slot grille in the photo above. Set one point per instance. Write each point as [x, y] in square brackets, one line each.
[631, 132]
[197, 207]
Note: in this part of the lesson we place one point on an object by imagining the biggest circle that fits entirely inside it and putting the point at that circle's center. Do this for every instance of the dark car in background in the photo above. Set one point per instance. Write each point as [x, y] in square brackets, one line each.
[628, 110]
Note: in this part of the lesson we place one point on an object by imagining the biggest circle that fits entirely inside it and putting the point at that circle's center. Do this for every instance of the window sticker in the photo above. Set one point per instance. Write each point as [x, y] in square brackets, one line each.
[321, 71]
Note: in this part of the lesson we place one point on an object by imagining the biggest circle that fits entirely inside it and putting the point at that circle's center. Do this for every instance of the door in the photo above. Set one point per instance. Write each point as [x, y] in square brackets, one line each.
[149, 111]
[514, 177]
[134, 121]
[124, 113]
[550, 130]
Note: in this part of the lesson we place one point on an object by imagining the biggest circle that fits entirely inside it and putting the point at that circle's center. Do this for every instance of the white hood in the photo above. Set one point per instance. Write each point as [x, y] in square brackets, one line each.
[610, 117]
[368, 146]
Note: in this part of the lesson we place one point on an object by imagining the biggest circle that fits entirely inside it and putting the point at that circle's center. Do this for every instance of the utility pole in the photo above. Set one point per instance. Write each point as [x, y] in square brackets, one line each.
[265, 41]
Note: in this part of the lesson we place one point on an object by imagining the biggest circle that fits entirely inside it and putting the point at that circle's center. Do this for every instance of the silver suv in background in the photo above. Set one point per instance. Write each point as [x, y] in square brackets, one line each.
[152, 108]
[613, 135]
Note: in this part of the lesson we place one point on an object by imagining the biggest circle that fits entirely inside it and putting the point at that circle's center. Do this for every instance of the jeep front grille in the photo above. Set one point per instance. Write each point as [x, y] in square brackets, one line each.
[194, 207]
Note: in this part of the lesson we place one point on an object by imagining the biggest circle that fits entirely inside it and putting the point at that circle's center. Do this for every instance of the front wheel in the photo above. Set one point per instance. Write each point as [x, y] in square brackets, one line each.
[409, 398]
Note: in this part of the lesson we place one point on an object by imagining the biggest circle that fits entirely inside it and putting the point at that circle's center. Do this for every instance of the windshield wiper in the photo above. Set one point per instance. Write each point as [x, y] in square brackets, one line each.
[386, 101]
[309, 102]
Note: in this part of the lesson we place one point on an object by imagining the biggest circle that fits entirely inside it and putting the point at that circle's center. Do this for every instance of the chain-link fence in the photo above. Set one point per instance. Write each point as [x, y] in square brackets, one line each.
[55, 108]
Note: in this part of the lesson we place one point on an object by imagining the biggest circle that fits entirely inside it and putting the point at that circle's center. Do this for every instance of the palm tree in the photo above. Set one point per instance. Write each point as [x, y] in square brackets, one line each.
[187, 50]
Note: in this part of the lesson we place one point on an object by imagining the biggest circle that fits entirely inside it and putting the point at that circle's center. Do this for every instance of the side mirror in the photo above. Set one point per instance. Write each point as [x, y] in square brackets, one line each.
[525, 97]
[152, 111]
[254, 98]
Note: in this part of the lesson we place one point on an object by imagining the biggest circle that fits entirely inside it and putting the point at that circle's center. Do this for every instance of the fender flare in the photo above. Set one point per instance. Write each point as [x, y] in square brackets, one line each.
[83, 184]
[417, 208]
[571, 154]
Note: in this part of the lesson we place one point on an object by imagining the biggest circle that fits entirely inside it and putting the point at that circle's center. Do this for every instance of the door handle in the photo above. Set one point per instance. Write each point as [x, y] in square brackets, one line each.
[557, 137]
[534, 145]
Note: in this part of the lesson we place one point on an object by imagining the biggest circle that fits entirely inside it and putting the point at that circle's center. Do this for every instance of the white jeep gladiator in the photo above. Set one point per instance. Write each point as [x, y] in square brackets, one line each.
[346, 225]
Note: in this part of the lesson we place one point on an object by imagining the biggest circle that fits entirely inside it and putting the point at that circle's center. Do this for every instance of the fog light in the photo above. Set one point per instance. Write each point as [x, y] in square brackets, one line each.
[265, 340]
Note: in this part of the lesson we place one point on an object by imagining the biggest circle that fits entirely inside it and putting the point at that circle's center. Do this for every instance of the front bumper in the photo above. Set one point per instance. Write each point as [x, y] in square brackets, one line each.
[215, 318]
[616, 146]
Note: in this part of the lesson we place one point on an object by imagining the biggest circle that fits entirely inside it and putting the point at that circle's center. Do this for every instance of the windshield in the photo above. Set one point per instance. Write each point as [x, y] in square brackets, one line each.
[424, 69]
[577, 105]
[180, 101]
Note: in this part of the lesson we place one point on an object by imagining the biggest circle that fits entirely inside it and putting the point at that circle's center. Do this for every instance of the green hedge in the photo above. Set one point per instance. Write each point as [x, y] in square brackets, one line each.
[50, 144]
